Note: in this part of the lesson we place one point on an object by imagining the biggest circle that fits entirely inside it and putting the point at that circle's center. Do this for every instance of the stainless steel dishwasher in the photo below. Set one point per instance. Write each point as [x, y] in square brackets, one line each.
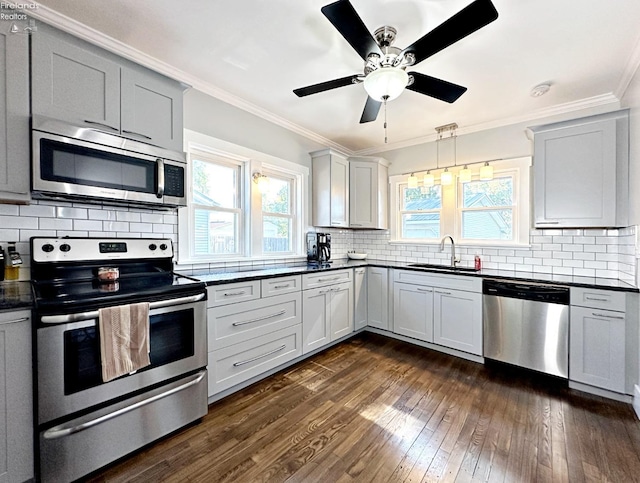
[527, 324]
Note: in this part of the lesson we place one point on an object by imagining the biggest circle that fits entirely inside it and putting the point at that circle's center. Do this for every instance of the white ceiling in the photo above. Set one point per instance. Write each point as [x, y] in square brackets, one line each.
[253, 53]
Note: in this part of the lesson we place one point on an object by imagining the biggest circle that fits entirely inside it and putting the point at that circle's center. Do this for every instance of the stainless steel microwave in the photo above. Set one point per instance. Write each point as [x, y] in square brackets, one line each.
[86, 163]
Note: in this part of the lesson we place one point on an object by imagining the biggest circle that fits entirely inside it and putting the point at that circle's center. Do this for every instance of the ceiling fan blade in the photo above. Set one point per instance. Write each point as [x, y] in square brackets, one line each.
[371, 109]
[347, 21]
[325, 86]
[471, 18]
[438, 88]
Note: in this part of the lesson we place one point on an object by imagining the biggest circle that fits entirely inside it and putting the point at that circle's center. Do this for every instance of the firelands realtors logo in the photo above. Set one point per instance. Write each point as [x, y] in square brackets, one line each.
[15, 13]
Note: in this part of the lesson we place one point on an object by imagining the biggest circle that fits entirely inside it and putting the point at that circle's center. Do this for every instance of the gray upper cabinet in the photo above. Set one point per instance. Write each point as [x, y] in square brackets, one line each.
[368, 193]
[581, 172]
[14, 117]
[330, 195]
[79, 83]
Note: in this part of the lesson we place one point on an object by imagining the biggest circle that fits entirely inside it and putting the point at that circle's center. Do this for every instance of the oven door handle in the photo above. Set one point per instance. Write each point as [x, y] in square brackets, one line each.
[66, 430]
[78, 317]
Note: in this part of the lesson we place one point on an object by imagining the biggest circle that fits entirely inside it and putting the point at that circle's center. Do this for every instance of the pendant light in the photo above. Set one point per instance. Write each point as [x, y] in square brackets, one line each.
[446, 177]
[486, 172]
[429, 179]
[412, 181]
[464, 175]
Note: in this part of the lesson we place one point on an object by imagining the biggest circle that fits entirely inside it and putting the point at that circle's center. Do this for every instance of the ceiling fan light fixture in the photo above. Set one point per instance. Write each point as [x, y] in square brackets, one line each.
[386, 83]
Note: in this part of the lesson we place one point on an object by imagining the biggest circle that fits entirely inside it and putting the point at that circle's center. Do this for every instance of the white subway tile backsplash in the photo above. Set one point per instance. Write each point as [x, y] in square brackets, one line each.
[87, 225]
[56, 224]
[38, 210]
[18, 222]
[129, 216]
[115, 226]
[9, 235]
[67, 212]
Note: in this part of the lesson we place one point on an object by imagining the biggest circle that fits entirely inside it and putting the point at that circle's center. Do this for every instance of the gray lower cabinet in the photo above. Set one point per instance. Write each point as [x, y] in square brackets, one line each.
[457, 320]
[16, 410]
[360, 298]
[79, 83]
[327, 314]
[14, 117]
[378, 298]
[413, 311]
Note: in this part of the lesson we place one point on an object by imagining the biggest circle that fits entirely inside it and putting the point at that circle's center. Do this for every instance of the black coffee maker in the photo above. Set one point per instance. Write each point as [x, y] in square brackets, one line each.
[318, 248]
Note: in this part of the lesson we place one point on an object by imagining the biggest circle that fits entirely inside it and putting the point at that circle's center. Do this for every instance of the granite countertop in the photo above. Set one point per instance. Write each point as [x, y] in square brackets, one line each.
[15, 294]
[230, 275]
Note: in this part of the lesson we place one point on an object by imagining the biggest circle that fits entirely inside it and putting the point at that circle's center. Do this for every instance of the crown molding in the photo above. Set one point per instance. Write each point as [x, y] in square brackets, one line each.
[77, 29]
[630, 70]
[591, 102]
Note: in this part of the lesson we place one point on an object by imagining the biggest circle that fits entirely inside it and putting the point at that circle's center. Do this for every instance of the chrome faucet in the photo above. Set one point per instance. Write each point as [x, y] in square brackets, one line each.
[454, 259]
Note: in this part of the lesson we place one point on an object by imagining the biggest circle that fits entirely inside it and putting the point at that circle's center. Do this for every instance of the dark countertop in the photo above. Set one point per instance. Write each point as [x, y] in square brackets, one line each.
[15, 295]
[218, 277]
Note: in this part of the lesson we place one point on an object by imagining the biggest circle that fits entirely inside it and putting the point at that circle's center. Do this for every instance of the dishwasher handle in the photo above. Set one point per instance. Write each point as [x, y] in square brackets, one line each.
[556, 294]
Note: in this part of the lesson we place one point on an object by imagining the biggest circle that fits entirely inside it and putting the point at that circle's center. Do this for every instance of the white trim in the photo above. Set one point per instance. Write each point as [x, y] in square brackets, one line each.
[630, 70]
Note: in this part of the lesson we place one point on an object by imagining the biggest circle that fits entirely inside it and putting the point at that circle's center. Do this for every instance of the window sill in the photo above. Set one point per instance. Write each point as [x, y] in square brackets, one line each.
[240, 260]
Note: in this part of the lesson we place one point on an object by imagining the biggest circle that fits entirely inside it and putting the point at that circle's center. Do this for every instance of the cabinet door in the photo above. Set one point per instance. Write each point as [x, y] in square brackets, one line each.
[363, 193]
[16, 436]
[597, 348]
[151, 109]
[378, 298]
[360, 298]
[457, 320]
[14, 117]
[341, 310]
[339, 192]
[413, 311]
[586, 155]
[70, 83]
[316, 318]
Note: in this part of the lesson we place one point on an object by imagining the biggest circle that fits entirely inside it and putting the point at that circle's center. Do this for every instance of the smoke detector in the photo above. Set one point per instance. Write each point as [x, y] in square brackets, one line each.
[540, 90]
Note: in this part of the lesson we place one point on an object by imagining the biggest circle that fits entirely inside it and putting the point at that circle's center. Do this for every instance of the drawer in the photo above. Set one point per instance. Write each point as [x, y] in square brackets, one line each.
[248, 320]
[322, 279]
[455, 282]
[237, 363]
[280, 285]
[598, 299]
[230, 293]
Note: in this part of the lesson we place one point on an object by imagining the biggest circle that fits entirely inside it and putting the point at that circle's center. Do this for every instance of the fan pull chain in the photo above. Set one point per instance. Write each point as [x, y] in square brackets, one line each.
[385, 119]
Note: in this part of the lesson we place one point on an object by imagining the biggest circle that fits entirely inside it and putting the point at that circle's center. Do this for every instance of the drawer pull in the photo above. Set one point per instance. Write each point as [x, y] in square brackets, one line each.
[281, 286]
[619, 317]
[328, 279]
[253, 359]
[231, 294]
[258, 319]
[443, 292]
[597, 299]
[420, 289]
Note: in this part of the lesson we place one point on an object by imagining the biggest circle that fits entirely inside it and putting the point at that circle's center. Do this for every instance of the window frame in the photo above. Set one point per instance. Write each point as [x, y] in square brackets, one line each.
[402, 212]
[451, 214]
[273, 172]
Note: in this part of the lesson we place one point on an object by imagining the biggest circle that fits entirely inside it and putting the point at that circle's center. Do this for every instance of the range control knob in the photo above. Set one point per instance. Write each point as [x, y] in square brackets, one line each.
[47, 247]
[163, 246]
[153, 246]
[65, 247]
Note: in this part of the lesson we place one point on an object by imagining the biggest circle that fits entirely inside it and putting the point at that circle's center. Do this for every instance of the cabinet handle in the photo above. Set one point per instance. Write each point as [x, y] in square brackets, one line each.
[101, 124]
[328, 279]
[14, 321]
[443, 292]
[160, 177]
[547, 222]
[619, 317]
[258, 319]
[360, 270]
[230, 294]
[420, 289]
[137, 134]
[336, 223]
[242, 363]
[597, 299]
[281, 286]
[356, 224]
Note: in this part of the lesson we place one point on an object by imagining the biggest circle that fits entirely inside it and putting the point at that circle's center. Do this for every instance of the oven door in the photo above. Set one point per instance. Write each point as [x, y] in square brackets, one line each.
[69, 365]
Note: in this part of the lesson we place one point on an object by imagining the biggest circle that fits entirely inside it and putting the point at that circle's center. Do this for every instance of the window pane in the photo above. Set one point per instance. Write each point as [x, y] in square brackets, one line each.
[424, 198]
[276, 234]
[421, 225]
[214, 184]
[488, 224]
[497, 192]
[275, 198]
[215, 233]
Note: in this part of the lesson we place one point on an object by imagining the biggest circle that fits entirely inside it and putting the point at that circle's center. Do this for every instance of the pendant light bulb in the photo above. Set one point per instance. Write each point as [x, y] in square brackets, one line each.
[429, 179]
[465, 174]
[486, 172]
[446, 177]
[412, 181]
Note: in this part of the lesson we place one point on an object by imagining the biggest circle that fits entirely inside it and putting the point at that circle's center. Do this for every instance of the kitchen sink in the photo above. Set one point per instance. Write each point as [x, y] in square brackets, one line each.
[447, 268]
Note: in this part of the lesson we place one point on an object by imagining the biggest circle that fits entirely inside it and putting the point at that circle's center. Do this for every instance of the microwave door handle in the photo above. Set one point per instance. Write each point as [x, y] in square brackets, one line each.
[160, 168]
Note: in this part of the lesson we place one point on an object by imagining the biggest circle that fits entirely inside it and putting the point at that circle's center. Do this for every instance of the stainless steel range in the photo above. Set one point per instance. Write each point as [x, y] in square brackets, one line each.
[84, 423]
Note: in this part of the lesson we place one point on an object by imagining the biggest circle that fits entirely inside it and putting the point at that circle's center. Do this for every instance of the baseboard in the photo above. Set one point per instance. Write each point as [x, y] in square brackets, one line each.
[626, 398]
[636, 400]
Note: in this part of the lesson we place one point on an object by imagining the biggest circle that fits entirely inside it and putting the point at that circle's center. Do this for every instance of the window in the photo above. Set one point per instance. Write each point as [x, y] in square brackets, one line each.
[216, 205]
[487, 209]
[493, 212]
[278, 227]
[228, 217]
[420, 212]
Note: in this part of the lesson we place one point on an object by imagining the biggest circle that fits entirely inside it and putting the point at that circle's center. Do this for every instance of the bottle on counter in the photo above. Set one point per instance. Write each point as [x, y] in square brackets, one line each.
[13, 261]
[477, 262]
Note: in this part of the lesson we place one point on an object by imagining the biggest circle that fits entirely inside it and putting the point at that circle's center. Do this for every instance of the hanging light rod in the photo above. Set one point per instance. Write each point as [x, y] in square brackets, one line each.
[418, 171]
[447, 127]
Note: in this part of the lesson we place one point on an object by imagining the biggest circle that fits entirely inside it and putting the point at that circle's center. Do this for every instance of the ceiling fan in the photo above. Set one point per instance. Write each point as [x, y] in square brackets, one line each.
[385, 76]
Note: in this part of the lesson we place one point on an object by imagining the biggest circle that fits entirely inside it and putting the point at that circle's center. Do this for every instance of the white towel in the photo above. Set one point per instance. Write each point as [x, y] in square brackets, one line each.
[124, 339]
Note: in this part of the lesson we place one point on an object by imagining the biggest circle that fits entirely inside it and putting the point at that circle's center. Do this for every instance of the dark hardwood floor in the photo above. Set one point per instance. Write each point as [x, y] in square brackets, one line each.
[376, 409]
